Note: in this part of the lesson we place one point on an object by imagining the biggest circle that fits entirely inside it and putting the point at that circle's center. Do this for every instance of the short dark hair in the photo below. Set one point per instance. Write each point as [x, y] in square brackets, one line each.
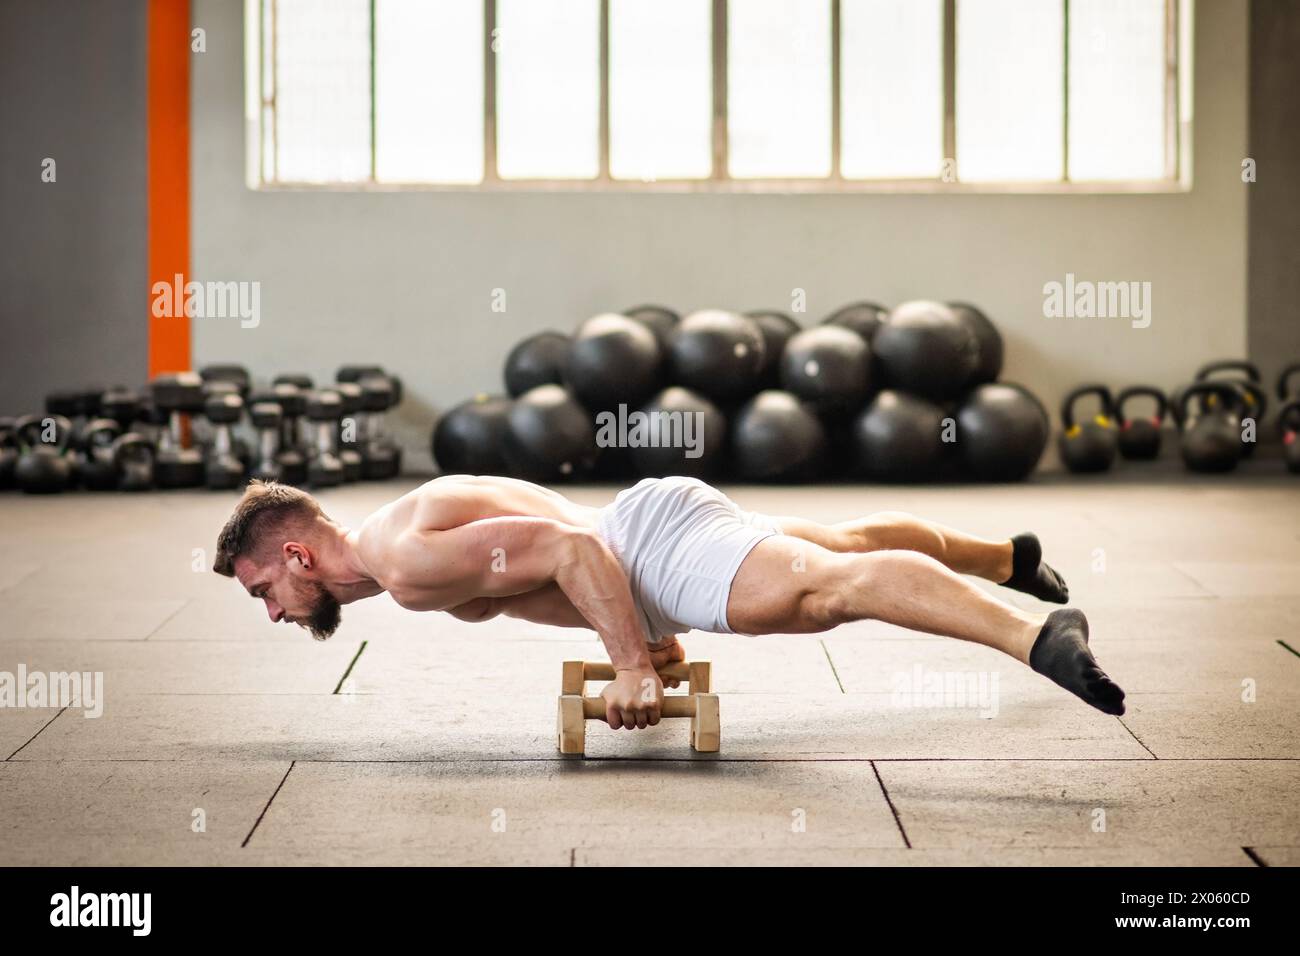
[267, 514]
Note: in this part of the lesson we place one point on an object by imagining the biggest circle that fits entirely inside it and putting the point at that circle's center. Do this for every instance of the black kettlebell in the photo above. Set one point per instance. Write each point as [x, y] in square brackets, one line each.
[44, 465]
[98, 470]
[1284, 393]
[133, 456]
[1211, 439]
[9, 451]
[1254, 403]
[1089, 446]
[1288, 420]
[1139, 438]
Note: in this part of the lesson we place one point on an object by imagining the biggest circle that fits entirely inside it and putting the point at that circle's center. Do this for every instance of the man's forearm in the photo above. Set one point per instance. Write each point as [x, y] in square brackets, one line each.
[597, 586]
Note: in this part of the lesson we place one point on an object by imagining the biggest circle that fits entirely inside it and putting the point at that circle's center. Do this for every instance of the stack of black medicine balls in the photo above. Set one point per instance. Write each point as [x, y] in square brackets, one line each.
[910, 394]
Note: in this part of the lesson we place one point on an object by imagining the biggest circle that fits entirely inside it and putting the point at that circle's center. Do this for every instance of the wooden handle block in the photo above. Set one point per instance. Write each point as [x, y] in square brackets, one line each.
[706, 726]
[570, 728]
[675, 705]
[699, 706]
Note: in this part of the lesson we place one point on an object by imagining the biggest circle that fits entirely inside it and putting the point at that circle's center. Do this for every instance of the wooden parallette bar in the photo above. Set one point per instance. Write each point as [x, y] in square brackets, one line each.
[575, 709]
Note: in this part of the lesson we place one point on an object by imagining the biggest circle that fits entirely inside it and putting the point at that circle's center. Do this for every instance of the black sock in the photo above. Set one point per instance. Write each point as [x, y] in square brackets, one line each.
[1061, 654]
[1030, 574]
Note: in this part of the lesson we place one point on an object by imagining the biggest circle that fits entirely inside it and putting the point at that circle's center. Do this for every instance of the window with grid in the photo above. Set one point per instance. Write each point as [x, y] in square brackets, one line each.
[717, 94]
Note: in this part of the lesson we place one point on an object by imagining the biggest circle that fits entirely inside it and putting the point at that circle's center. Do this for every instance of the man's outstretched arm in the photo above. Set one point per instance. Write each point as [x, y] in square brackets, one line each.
[501, 557]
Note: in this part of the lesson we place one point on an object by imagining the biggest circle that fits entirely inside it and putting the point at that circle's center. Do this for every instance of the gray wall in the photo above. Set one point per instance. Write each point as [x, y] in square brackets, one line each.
[1275, 196]
[73, 254]
[407, 278]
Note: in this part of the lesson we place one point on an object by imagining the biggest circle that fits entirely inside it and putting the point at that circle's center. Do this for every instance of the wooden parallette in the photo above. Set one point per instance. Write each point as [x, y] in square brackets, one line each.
[575, 709]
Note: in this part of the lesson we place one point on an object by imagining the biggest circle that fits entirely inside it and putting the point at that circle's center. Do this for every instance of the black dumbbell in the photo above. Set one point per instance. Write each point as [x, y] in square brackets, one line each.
[349, 428]
[267, 418]
[324, 409]
[78, 406]
[223, 468]
[235, 375]
[297, 379]
[292, 456]
[178, 396]
[45, 464]
[120, 404]
[355, 373]
[381, 457]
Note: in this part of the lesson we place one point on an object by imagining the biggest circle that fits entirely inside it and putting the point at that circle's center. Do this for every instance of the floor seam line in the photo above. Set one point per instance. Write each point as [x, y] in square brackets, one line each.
[13, 584]
[898, 822]
[827, 651]
[258, 821]
[35, 735]
[1138, 739]
[351, 664]
[164, 622]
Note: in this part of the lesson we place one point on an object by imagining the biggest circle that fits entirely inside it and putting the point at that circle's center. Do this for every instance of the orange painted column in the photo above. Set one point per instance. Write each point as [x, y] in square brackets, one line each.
[168, 110]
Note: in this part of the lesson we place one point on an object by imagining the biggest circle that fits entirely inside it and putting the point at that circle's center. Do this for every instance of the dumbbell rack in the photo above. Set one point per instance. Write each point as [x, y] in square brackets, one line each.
[575, 709]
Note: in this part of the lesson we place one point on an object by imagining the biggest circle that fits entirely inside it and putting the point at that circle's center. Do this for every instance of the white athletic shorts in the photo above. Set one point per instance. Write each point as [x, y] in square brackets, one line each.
[681, 542]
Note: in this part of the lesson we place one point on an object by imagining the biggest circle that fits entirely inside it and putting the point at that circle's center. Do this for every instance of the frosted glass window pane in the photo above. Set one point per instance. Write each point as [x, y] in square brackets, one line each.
[429, 91]
[660, 89]
[891, 88]
[1117, 89]
[322, 90]
[1010, 86]
[548, 89]
[779, 88]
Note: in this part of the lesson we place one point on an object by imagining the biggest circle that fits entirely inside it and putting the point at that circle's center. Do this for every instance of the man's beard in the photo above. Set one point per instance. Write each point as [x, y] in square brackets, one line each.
[324, 612]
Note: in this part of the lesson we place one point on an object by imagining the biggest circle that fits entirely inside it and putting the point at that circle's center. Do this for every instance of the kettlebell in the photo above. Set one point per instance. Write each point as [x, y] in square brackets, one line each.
[1284, 392]
[1254, 399]
[98, 470]
[44, 464]
[1211, 439]
[1288, 420]
[1088, 446]
[133, 457]
[1139, 438]
[9, 451]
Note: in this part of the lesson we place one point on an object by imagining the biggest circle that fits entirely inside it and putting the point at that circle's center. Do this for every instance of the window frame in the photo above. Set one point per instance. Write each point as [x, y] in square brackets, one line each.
[1177, 112]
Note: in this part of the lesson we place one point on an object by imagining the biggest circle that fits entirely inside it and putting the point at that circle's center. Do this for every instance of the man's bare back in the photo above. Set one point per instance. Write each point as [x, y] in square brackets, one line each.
[410, 534]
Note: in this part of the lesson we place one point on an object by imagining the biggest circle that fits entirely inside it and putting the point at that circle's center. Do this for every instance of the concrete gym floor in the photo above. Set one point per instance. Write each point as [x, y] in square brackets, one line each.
[416, 739]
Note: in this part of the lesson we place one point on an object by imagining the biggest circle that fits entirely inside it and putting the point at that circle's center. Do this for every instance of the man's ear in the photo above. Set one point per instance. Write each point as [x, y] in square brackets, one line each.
[297, 551]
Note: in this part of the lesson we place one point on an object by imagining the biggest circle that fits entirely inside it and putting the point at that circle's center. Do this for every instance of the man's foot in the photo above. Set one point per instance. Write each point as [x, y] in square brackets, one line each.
[1032, 575]
[1061, 654]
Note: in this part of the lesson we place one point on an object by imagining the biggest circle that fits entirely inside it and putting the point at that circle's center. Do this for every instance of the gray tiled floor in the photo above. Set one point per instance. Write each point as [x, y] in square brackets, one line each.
[223, 739]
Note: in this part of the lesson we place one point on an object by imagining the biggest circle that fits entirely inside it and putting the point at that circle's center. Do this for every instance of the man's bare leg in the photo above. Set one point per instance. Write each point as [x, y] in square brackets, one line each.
[1015, 562]
[792, 586]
